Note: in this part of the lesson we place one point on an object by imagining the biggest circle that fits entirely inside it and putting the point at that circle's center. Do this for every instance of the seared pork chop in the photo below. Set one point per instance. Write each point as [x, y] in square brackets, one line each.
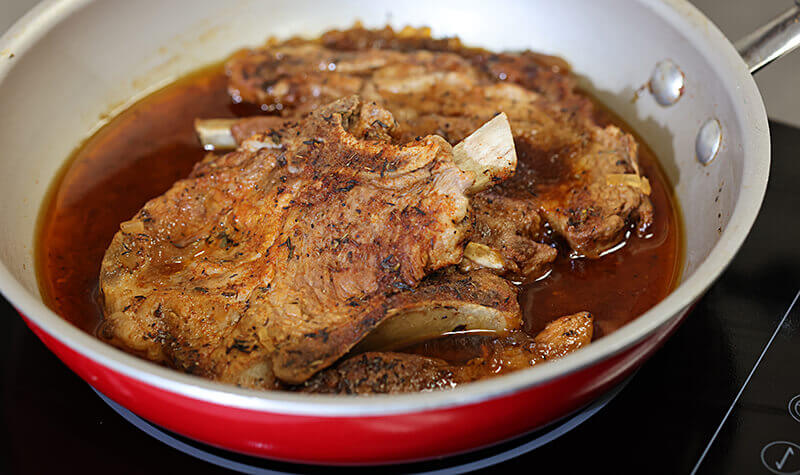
[445, 302]
[392, 372]
[569, 165]
[274, 260]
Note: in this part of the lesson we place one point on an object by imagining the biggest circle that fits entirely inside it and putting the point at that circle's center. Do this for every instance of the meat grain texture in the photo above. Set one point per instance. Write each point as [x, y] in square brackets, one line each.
[267, 265]
[390, 372]
[278, 258]
[441, 87]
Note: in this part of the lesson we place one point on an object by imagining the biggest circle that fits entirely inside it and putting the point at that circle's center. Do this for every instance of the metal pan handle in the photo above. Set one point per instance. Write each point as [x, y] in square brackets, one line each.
[773, 40]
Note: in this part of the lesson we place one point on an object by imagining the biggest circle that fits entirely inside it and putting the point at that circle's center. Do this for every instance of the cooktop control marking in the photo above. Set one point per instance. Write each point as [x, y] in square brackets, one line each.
[739, 395]
[794, 408]
[781, 457]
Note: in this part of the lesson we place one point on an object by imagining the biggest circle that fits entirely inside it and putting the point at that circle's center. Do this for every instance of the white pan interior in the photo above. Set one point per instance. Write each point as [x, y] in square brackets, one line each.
[68, 65]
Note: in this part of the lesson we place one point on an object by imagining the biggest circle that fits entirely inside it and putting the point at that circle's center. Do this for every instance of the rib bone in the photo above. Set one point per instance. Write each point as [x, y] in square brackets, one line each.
[488, 152]
[485, 256]
[450, 302]
[215, 134]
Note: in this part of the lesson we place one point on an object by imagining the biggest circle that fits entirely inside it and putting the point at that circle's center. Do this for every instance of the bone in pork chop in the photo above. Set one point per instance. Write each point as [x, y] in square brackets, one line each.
[569, 165]
[445, 302]
[391, 372]
[275, 259]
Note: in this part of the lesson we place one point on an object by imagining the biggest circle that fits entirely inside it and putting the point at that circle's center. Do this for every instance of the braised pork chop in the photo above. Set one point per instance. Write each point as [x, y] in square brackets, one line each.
[392, 372]
[277, 258]
[541, 73]
[445, 302]
[567, 161]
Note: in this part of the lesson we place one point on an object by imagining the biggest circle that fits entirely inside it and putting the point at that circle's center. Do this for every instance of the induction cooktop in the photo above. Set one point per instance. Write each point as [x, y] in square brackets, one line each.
[721, 396]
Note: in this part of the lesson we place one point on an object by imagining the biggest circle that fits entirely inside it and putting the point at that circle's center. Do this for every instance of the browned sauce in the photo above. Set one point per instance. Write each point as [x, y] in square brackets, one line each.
[625, 283]
[141, 152]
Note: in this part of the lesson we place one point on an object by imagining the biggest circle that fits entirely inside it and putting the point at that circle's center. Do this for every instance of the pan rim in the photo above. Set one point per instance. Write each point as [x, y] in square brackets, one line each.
[680, 14]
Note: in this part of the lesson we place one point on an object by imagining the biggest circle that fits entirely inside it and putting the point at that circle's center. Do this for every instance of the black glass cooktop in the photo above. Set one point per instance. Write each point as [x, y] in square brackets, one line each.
[721, 396]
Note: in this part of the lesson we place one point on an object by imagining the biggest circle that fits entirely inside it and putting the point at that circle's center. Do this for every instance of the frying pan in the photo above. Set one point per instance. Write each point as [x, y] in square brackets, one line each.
[662, 66]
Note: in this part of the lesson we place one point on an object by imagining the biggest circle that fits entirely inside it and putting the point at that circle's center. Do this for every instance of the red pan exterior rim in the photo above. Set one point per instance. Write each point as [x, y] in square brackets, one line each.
[347, 440]
[755, 146]
[380, 430]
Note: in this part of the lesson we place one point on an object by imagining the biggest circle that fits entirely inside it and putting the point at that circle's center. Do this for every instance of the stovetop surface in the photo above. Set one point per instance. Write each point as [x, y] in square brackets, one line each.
[721, 396]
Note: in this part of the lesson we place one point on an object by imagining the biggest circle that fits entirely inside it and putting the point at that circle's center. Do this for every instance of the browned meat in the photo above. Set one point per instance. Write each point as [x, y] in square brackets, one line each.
[564, 335]
[296, 78]
[590, 210]
[539, 72]
[245, 128]
[291, 76]
[440, 87]
[512, 227]
[564, 163]
[447, 301]
[390, 372]
[277, 258]
[383, 373]
[408, 39]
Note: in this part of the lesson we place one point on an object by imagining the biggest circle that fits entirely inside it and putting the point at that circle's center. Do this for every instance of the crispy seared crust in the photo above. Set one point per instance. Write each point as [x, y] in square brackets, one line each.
[479, 287]
[383, 373]
[440, 87]
[245, 128]
[389, 372]
[265, 266]
[279, 257]
[512, 227]
[565, 335]
[445, 302]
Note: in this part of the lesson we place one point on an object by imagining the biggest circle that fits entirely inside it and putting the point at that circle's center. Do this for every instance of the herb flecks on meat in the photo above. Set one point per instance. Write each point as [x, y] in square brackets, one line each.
[579, 176]
[281, 218]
